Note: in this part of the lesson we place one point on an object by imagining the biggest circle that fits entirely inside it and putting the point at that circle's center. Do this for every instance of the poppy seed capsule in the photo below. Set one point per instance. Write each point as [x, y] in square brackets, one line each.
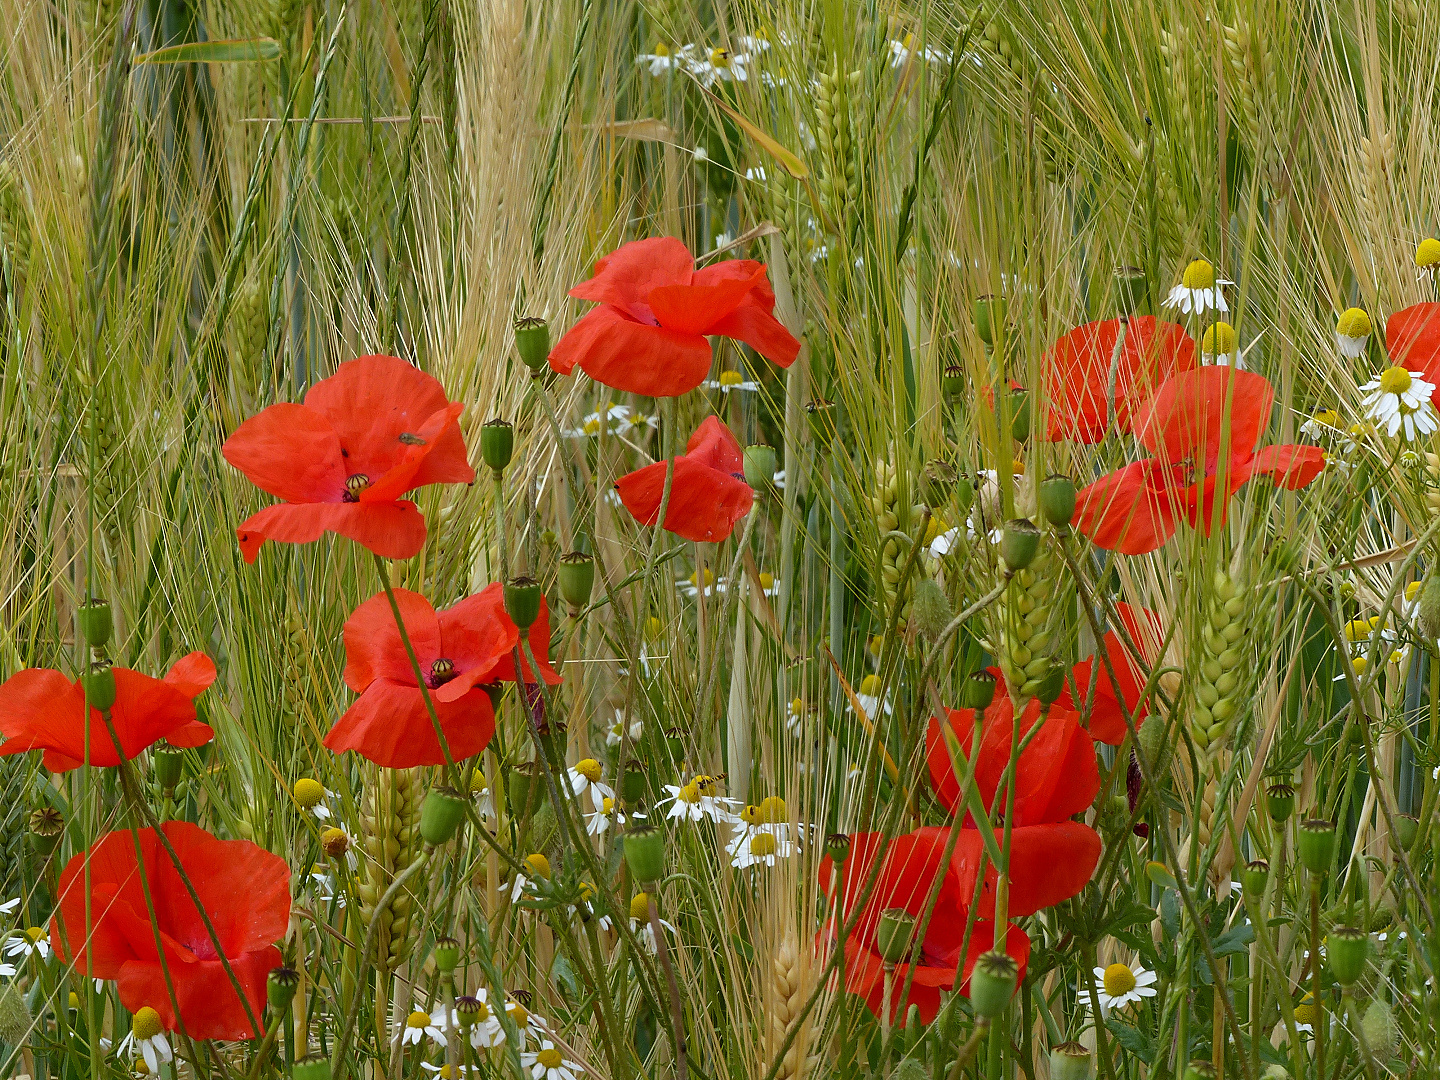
[1256, 877]
[1132, 289]
[989, 316]
[837, 846]
[893, 934]
[1057, 500]
[1427, 613]
[96, 623]
[99, 683]
[964, 492]
[1154, 745]
[522, 601]
[576, 575]
[978, 691]
[313, 1068]
[952, 381]
[168, 764]
[1070, 1061]
[1280, 801]
[497, 444]
[440, 815]
[1020, 414]
[46, 828]
[469, 1011]
[280, 987]
[992, 983]
[447, 954]
[633, 785]
[1316, 845]
[760, 464]
[645, 852]
[1019, 544]
[532, 342]
[1345, 949]
[1407, 828]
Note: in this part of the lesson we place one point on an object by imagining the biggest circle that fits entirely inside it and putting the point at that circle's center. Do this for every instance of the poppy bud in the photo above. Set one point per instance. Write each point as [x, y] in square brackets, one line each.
[1019, 414]
[1316, 845]
[99, 683]
[1200, 1070]
[1427, 612]
[645, 852]
[952, 381]
[497, 444]
[1406, 829]
[447, 954]
[335, 842]
[96, 623]
[964, 492]
[1019, 543]
[837, 846]
[46, 828]
[312, 1068]
[469, 1011]
[1256, 876]
[1052, 683]
[989, 317]
[1155, 746]
[1116, 815]
[441, 814]
[1132, 289]
[522, 601]
[1069, 1061]
[632, 787]
[1280, 801]
[1345, 949]
[992, 983]
[168, 764]
[930, 610]
[532, 342]
[1382, 1035]
[280, 987]
[760, 465]
[1057, 499]
[576, 574]
[937, 479]
[978, 691]
[892, 936]
[15, 1019]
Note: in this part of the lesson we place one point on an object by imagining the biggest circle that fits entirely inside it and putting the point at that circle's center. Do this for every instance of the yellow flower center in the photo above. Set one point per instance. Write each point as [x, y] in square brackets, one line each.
[731, 378]
[146, 1023]
[709, 578]
[750, 815]
[587, 891]
[661, 49]
[1119, 979]
[35, 933]
[589, 768]
[653, 627]
[539, 865]
[591, 426]
[1328, 417]
[767, 581]
[335, 841]
[773, 809]
[870, 685]
[640, 906]
[549, 1058]
[1360, 663]
[1199, 275]
[447, 1072]
[690, 792]
[1395, 380]
[1427, 255]
[518, 1013]
[1306, 1012]
[482, 1011]
[607, 805]
[73, 1001]
[418, 1019]
[1353, 323]
[720, 58]
[1412, 590]
[797, 707]
[762, 844]
[141, 1069]
[1359, 629]
[308, 793]
[477, 783]
[876, 644]
[639, 419]
[1219, 340]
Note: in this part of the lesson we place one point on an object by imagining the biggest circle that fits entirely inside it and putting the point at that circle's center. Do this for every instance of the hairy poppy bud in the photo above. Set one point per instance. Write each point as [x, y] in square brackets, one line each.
[1316, 845]
[96, 623]
[930, 609]
[280, 987]
[311, 1068]
[937, 480]
[760, 465]
[1019, 414]
[1256, 877]
[576, 574]
[497, 443]
[168, 764]
[99, 684]
[522, 601]
[978, 691]
[893, 935]
[1382, 1036]
[447, 954]
[1155, 746]
[1406, 829]
[992, 983]
[532, 342]
[1057, 499]
[1345, 949]
[1019, 543]
[837, 846]
[15, 1021]
[1132, 289]
[441, 814]
[1280, 801]
[645, 852]
[1069, 1061]
[989, 317]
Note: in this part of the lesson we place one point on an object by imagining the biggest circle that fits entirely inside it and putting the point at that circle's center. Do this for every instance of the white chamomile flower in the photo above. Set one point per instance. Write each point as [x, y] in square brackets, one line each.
[690, 803]
[146, 1040]
[721, 66]
[34, 941]
[1427, 258]
[731, 381]
[757, 42]
[1221, 346]
[779, 480]
[755, 172]
[324, 886]
[616, 735]
[901, 51]
[604, 815]
[765, 845]
[661, 61]
[584, 776]
[768, 585]
[1119, 985]
[7, 971]
[869, 697]
[692, 586]
[538, 866]
[629, 421]
[9, 906]
[1199, 290]
[1397, 399]
[421, 1024]
[1361, 635]
[1352, 332]
[548, 1063]
[795, 717]
[447, 1071]
[525, 1021]
[1324, 423]
[640, 921]
[613, 420]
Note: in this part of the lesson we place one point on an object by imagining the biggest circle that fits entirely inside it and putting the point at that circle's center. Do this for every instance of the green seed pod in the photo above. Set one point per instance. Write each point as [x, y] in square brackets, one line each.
[989, 317]
[1132, 289]
[1019, 544]
[992, 983]
[447, 954]
[1256, 876]
[1382, 1035]
[99, 683]
[930, 609]
[1052, 684]
[837, 846]
[964, 492]
[47, 826]
[760, 464]
[311, 1068]
[1280, 801]
[1427, 613]
[1406, 829]
[441, 814]
[952, 381]
[1070, 1061]
[532, 342]
[280, 987]
[894, 934]
[1019, 414]
[978, 691]
[497, 444]
[576, 574]
[469, 1011]
[634, 784]
[1316, 845]
[15, 1019]
[519, 784]
[168, 764]
[522, 601]
[1155, 745]
[1057, 500]
[645, 852]
[1345, 949]
[96, 623]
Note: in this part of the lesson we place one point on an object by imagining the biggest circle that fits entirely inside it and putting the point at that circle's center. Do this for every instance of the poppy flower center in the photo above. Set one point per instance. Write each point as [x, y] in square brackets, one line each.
[763, 844]
[549, 1058]
[1119, 979]
[355, 483]
[146, 1024]
[417, 1019]
[441, 672]
[1395, 380]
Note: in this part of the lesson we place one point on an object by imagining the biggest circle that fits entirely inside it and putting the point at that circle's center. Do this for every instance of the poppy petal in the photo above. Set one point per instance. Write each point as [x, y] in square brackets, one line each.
[291, 452]
[208, 1003]
[477, 634]
[1122, 511]
[418, 449]
[715, 445]
[628, 275]
[191, 674]
[30, 702]
[633, 357]
[704, 504]
[1412, 338]
[391, 530]
[196, 733]
[1208, 415]
[390, 726]
[373, 646]
[756, 325]
[1290, 466]
[1048, 864]
[695, 309]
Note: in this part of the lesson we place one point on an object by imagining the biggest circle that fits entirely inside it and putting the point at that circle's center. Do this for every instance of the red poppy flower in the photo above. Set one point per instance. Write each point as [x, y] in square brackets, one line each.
[461, 650]
[1107, 722]
[648, 336]
[1048, 864]
[40, 709]
[1057, 775]
[1412, 337]
[1199, 424]
[1077, 374]
[907, 875]
[708, 494]
[246, 893]
[374, 430]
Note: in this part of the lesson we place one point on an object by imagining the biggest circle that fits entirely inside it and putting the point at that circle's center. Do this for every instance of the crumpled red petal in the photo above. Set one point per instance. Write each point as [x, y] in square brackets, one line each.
[391, 530]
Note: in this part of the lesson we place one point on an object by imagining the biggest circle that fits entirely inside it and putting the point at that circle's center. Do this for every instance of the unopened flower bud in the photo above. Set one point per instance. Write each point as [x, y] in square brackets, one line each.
[1427, 612]
[1382, 1035]
[930, 610]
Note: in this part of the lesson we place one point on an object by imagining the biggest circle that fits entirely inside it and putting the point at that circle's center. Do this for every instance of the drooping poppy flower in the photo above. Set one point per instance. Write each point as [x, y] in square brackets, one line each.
[1412, 338]
[245, 891]
[461, 650]
[907, 874]
[1107, 722]
[648, 336]
[377, 428]
[1077, 374]
[1201, 426]
[1057, 775]
[40, 709]
[1049, 863]
[708, 494]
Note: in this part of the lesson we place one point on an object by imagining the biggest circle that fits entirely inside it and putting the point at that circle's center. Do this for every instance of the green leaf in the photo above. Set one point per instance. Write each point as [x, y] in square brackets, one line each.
[1236, 939]
[235, 51]
[1160, 874]
[1132, 1039]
